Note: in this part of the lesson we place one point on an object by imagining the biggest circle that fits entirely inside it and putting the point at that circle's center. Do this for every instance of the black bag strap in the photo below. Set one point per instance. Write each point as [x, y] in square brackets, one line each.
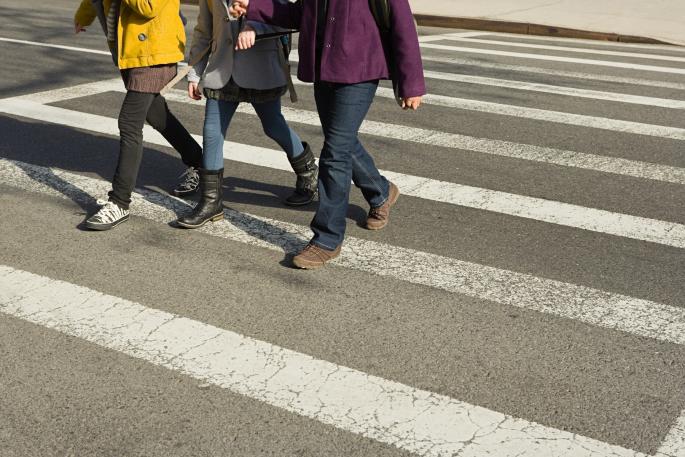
[381, 13]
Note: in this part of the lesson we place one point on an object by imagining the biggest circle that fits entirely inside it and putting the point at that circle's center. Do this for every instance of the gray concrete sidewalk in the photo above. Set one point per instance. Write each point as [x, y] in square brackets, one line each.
[657, 19]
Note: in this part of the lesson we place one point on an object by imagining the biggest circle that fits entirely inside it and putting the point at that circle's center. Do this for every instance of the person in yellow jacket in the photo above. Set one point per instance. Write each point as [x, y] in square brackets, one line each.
[147, 40]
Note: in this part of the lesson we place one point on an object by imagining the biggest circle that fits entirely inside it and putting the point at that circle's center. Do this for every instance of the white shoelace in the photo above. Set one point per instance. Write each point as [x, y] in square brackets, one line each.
[109, 212]
[192, 178]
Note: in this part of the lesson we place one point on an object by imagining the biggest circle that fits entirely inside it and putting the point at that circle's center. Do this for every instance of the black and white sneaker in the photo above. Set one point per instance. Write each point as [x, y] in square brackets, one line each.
[109, 216]
[189, 184]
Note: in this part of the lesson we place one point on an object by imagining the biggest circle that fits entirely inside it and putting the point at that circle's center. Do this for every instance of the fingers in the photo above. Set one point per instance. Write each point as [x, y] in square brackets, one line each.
[246, 40]
[78, 28]
[194, 91]
[411, 103]
[238, 8]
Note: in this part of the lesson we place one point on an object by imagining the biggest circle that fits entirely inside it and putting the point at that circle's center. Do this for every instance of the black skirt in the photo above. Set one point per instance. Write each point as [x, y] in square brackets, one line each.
[231, 92]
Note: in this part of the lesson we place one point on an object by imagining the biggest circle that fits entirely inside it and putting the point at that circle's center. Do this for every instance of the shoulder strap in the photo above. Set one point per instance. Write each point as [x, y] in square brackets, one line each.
[381, 13]
[285, 64]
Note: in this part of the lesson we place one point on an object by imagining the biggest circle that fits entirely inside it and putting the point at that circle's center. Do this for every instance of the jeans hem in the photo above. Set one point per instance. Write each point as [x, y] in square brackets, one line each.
[323, 246]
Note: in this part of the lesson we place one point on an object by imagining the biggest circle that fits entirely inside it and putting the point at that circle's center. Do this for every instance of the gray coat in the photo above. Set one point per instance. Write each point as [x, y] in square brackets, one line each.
[256, 68]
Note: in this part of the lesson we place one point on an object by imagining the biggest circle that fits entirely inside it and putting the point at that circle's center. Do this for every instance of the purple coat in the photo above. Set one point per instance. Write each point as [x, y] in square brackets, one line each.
[352, 50]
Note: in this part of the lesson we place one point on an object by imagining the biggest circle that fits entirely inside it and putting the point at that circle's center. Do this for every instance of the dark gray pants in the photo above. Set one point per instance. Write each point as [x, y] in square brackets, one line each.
[136, 109]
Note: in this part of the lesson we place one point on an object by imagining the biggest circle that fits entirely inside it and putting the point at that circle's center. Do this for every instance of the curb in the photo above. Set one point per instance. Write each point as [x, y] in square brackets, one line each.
[523, 28]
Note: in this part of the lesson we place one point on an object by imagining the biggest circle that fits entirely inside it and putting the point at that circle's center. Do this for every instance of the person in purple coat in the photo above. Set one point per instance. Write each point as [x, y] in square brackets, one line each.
[341, 51]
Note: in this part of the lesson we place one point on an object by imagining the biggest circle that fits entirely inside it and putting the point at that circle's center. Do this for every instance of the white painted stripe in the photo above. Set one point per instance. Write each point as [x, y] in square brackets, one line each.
[558, 90]
[591, 306]
[429, 38]
[642, 170]
[614, 79]
[456, 61]
[557, 117]
[522, 55]
[627, 226]
[71, 92]
[587, 42]
[54, 46]
[674, 444]
[605, 52]
[414, 420]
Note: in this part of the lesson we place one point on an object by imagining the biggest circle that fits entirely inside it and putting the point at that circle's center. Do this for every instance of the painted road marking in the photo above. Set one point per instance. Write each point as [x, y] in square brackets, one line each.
[604, 164]
[410, 419]
[463, 61]
[450, 60]
[605, 52]
[441, 37]
[559, 117]
[559, 90]
[601, 221]
[569, 301]
[674, 444]
[55, 46]
[607, 44]
[523, 55]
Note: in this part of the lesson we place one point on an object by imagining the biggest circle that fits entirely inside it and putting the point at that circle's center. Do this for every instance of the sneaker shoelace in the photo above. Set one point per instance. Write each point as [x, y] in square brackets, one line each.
[109, 211]
[192, 178]
[321, 253]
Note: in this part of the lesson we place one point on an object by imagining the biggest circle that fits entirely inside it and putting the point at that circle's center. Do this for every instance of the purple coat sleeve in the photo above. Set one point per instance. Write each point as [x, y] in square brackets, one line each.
[282, 14]
[405, 47]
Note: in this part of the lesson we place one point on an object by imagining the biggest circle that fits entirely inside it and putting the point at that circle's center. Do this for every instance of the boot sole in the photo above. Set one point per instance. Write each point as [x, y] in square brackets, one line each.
[289, 203]
[178, 193]
[392, 202]
[215, 218]
[307, 265]
[105, 227]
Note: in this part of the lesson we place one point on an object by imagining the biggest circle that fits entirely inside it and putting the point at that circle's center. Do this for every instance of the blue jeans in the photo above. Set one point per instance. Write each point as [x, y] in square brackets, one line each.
[218, 115]
[342, 109]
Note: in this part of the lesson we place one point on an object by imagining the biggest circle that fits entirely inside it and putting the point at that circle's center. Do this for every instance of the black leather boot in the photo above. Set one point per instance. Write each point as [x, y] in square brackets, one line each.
[211, 204]
[307, 173]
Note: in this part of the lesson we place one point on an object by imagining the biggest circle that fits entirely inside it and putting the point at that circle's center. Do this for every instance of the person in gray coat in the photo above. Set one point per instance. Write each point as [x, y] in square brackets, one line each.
[230, 66]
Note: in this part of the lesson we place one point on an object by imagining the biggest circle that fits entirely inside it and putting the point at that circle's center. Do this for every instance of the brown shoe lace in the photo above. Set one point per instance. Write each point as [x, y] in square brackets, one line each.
[317, 251]
[377, 213]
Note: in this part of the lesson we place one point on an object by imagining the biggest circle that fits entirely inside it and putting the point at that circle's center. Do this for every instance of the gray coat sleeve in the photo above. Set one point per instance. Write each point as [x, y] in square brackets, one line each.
[202, 37]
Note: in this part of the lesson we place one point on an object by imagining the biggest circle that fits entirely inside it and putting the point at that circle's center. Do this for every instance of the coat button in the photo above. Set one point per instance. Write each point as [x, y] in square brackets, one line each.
[142, 37]
[227, 19]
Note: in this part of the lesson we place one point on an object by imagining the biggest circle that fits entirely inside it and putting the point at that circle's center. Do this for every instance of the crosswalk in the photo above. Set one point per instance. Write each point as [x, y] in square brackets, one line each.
[408, 418]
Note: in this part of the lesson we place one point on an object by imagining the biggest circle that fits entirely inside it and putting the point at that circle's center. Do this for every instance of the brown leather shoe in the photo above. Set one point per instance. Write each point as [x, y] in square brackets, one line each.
[380, 216]
[312, 256]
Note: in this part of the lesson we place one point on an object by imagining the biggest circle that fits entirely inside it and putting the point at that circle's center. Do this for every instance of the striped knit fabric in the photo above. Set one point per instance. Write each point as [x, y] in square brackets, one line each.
[113, 20]
[150, 80]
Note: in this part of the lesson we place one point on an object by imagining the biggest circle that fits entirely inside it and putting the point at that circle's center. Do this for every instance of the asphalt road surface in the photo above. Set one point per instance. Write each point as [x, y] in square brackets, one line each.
[527, 298]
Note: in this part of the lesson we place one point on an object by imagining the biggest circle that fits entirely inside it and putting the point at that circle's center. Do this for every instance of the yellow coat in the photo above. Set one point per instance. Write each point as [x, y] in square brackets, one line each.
[150, 32]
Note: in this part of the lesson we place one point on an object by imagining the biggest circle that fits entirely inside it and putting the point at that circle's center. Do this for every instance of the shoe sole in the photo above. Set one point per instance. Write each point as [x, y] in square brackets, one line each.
[178, 193]
[392, 200]
[307, 265]
[288, 203]
[215, 218]
[105, 227]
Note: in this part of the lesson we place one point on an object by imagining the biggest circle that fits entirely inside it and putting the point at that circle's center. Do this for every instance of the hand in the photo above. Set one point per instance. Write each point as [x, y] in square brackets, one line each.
[194, 91]
[246, 38]
[238, 8]
[411, 103]
[78, 27]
